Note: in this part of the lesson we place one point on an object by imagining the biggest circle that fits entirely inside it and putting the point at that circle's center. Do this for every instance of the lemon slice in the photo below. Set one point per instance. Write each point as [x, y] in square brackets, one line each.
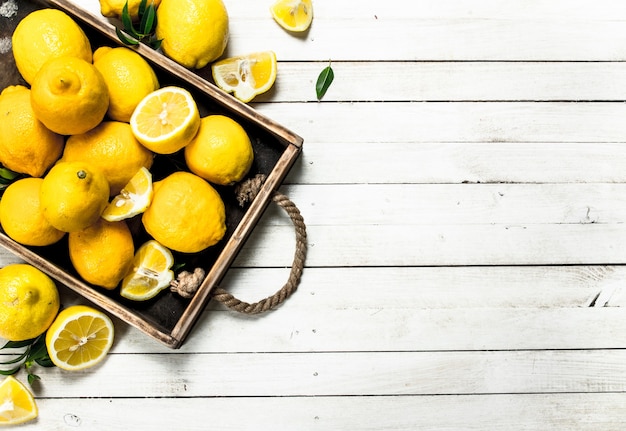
[150, 273]
[293, 15]
[133, 199]
[166, 120]
[79, 338]
[17, 404]
[247, 76]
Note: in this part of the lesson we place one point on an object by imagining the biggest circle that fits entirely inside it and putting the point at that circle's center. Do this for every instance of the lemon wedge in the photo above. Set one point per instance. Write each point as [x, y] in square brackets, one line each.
[150, 273]
[17, 404]
[166, 120]
[293, 15]
[246, 76]
[133, 199]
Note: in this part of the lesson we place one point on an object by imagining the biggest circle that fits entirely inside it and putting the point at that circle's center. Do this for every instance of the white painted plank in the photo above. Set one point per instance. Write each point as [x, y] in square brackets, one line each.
[345, 374]
[557, 412]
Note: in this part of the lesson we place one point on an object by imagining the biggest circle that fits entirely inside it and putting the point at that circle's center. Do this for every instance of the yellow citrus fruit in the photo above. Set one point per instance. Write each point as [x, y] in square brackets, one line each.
[166, 120]
[194, 32]
[113, 8]
[79, 338]
[129, 78]
[133, 199]
[102, 253]
[46, 34]
[293, 15]
[73, 195]
[150, 273]
[21, 216]
[26, 145]
[69, 95]
[221, 152]
[112, 148]
[29, 302]
[186, 213]
[17, 402]
[246, 76]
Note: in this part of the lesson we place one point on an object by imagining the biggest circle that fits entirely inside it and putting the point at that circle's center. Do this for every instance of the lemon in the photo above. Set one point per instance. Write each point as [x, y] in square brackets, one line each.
[18, 403]
[186, 213]
[246, 76]
[73, 195]
[46, 34]
[133, 199]
[150, 273]
[26, 145]
[166, 120]
[194, 32]
[29, 302]
[79, 338]
[102, 253]
[129, 78]
[112, 148]
[293, 15]
[221, 152]
[69, 96]
[113, 8]
[21, 215]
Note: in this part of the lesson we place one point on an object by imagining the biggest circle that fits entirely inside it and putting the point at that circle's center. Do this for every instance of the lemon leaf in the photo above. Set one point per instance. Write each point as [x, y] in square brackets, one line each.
[324, 80]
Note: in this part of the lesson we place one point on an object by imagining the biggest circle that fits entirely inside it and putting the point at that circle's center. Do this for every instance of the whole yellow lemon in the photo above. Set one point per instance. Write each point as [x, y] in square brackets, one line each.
[29, 302]
[186, 213]
[112, 148]
[26, 145]
[221, 151]
[113, 8]
[69, 96]
[73, 195]
[194, 32]
[46, 34]
[129, 78]
[102, 253]
[21, 216]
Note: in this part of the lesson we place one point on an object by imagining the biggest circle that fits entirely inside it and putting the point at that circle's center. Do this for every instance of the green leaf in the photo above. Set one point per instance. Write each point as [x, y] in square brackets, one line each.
[127, 22]
[19, 358]
[148, 21]
[18, 344]
[324, 80]
[142, 6]
[125, 40]
[9, 372]
[32, 378]
[155, 44]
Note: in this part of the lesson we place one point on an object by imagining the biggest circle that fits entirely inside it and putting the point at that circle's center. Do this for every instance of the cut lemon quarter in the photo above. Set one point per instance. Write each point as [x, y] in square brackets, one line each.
[79, 338]
[293, 15]
[133, 199]
[17, 404]
[150, 272]
[246, 76]
[166, 120]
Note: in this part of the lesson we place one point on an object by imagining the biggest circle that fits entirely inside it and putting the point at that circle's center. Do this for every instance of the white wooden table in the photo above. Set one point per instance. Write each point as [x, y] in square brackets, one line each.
[464, 188]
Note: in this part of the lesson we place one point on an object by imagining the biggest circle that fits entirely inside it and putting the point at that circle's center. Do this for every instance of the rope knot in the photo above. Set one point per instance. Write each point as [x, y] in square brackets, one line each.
[248, 189]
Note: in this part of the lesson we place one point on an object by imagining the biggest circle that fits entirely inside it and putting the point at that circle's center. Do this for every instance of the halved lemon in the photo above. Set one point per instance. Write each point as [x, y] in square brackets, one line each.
[79, 338]
[133, 199]
[166, 120]
[17, 404]
[246, 76]
[150, 273]
[293, 15]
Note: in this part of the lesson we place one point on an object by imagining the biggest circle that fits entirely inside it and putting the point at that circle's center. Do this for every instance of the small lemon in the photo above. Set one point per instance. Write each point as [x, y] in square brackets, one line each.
[221, 152]
[112, 148]
[102, 253]
[21, 215]
[26, 145]
[73, 195]
[186, 213]
[129, 78]
[113, 8]
[29, 302]
[69, 96]
[205, 34]
[46, 34]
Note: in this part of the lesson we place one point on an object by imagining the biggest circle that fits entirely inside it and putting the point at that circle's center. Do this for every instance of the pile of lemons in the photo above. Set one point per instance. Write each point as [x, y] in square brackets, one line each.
[85, 132]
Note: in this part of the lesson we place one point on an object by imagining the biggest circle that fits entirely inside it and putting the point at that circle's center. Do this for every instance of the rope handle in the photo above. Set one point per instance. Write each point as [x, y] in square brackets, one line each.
[246, 192]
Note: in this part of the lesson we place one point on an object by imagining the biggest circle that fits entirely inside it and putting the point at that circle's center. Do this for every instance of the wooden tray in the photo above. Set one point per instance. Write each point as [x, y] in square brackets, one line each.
[167, 318]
